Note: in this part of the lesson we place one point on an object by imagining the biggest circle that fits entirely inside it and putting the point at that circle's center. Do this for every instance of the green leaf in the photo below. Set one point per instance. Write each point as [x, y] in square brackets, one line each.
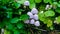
[49, 23]
[31, 1]
[59, 1]
[20, 11]
[17, 5]
[9, 14]
[20, 25]
[33, 5]
[9, 26]
[58, 20]
[42, 7]
[49, 13]
[45, 21]
[58, 5]
[38, 1]
[23, 31]
[24, 17]
[41, 16]
[14, 20]
[46, 1]
[57, 10]
[4, 7]
[55, 3]
[4, 1]
[21, 1]
[51, 28]
[51, 1]
[1, 24]
[29, 32]
[16, 32]
[6, 32]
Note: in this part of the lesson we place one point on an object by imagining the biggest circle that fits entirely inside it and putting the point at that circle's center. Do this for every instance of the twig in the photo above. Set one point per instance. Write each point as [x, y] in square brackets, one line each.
[40, 29]
[31, 31]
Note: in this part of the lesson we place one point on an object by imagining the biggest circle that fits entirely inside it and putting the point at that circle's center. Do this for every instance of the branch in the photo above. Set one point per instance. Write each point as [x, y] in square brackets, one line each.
[40, 29]
[31, 31]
